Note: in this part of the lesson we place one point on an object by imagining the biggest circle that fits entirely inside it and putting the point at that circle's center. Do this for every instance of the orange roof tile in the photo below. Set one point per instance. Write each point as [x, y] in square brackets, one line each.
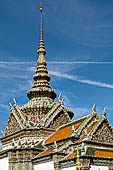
[103, 154]
[88, 130]
[70, 156]
[48, 151]
[62, 133]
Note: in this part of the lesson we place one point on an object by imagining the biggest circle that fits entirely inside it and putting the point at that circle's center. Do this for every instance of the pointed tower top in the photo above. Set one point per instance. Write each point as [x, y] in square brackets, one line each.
[41, 8]
[41, 87]
[41, 48]
[41, 28]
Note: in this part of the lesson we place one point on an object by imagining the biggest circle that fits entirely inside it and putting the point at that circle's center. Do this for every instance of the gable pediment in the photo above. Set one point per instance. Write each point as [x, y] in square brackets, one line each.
[103, 133]
[12, 125]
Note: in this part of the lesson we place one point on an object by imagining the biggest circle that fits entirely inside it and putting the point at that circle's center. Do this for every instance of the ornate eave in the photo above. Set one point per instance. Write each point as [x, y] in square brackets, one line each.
[31, 129]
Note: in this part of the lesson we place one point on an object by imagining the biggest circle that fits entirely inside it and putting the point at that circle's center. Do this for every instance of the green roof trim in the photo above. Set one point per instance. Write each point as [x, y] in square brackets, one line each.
[91, 151]
[40, 146]
[73, 123]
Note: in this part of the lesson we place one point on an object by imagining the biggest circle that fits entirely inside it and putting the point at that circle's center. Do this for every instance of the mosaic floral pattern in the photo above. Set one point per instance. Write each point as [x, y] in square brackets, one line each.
[12, 126]
[60, 120]
[103, 134]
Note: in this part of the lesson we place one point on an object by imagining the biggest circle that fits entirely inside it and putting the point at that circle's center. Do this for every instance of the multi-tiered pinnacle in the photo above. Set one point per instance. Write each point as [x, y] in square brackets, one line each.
[41, 87]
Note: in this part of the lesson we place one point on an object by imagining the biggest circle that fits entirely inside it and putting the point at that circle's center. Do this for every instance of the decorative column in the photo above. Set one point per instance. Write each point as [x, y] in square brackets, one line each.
[85, 164]
[20, 159]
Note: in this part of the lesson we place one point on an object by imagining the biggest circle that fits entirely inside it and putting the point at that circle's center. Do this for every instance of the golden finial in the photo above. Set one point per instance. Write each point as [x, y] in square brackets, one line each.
[41, 48]
[41, 8]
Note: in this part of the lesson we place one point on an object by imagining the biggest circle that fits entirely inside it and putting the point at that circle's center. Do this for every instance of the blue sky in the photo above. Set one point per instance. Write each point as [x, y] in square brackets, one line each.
[78, 38]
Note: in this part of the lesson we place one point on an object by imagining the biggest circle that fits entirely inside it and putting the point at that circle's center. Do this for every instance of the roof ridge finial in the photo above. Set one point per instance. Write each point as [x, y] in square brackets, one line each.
[104, 112]
[94, 108]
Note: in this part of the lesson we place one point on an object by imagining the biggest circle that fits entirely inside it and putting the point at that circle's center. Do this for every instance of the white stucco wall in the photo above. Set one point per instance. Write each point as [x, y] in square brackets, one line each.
[4, 165]
[70, 168]
[45, 166]
[92, 168]
[99, 167]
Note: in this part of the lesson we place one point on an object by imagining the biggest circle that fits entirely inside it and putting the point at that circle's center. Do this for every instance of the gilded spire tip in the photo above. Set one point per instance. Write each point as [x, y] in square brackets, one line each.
[41, 48]
[41, 8]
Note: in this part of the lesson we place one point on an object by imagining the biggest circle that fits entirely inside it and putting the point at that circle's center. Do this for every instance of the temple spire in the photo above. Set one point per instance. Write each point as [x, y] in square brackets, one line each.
[41, 48]
[41, 87]
[41, 28]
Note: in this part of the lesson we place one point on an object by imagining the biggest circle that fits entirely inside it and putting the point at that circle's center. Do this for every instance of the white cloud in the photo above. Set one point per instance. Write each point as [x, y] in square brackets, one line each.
[22, 87]
[4, 107]
[80, 112]
[32, 69]
[78, 79]
[17, 65]
[81, 62]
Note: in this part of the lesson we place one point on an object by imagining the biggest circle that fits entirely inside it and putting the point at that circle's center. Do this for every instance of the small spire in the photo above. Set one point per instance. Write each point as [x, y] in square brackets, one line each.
[14, 101]
[19, 144]
[2, 133]
[105, 112]
[55, 146]
[32, 143]
[94, 108]
[13, 143]
[11, 107]
[26, 142]
[60, 97]
[83, 149]
[73, 130]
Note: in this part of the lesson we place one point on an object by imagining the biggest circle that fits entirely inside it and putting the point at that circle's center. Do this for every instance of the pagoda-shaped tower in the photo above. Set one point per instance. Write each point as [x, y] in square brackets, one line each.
[38, 118]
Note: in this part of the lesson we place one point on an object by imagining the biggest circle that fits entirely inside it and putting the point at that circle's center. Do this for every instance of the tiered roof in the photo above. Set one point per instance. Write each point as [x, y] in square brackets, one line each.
[64, 131]
[82, 133]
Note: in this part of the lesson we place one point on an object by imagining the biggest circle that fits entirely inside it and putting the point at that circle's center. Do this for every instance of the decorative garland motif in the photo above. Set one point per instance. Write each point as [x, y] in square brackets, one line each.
[103, 134]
